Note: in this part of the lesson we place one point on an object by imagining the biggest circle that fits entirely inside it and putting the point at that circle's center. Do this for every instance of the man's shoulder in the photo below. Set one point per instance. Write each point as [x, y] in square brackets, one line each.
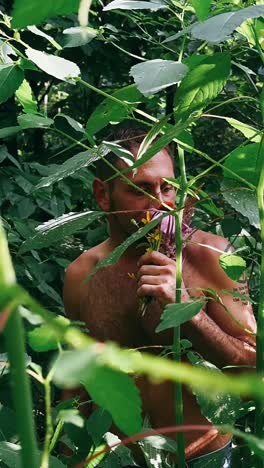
[207, 244]
[84, 264]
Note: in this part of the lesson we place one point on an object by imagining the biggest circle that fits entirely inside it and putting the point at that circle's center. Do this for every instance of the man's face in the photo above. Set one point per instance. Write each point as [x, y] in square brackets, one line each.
[149, 177]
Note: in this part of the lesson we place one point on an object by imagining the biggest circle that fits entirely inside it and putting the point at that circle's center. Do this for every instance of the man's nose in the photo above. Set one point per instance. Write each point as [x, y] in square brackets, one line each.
[158, 198]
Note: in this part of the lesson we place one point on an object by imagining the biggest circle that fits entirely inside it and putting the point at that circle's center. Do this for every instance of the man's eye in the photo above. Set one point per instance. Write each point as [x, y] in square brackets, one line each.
[167, 188]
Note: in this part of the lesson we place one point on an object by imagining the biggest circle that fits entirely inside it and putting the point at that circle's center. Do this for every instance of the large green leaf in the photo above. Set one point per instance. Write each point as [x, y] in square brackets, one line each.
[72, 122]
[98, 424]
[218, 28]
[201, 8]
[9, 131]
[176, 314]
[135, 5]
[74, 366]
[117, 393]
[242, 200]
[154, 75]
[249, 132]
[201, 85]
[57, 229]
[33, 121]
[11, 77]
[233, 265]
[78, 36]
[218, 408]
[26, 98]
[242, 161]
[43, 338]
[111, 111]
[55, 66]
[72, 165]
[35, 11]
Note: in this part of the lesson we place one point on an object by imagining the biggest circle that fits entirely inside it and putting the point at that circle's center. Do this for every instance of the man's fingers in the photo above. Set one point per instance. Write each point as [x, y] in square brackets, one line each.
[153, 258]
[148, 279]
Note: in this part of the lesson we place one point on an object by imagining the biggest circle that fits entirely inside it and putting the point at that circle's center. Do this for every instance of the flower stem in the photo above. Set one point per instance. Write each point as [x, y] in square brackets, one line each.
[14, 338]
[177, 331]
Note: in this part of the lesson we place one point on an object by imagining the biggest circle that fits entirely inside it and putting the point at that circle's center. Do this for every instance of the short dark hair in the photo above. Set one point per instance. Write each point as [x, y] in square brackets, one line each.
[128, 138]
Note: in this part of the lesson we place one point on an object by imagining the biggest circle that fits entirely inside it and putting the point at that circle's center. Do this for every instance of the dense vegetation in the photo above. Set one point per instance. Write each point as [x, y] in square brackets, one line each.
[189, 72]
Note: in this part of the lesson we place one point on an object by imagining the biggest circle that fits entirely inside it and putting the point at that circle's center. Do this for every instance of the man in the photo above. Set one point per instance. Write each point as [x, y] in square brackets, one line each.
[109, 302]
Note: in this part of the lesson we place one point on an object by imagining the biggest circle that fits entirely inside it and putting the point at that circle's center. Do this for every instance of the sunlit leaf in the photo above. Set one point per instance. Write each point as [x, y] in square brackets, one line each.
[33, 121]
[57, 229]
[233, 265]
[11, 77]
[176, 314]
[117, 393]
[38, 32]
[154, 75]
[43, 338]
[247, 130]
[242, 161]
[135, 5]
[55, 66]
[160, 442]
[201, 85]
[26, 98]
[35, 11]
[201, 8]
[151, 135]
[242, 200]
[78, 36]
[72, 122]
[71, 416]
[111, 111]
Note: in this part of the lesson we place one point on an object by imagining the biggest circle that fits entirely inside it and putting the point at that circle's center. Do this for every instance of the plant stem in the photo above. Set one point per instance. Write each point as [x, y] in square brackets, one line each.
[259, 418]
[49, 429]
[14, 338]
[103, 93]
[177, 331]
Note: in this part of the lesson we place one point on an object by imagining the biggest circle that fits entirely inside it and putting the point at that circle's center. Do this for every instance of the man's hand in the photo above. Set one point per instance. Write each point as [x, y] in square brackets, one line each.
[157, 277]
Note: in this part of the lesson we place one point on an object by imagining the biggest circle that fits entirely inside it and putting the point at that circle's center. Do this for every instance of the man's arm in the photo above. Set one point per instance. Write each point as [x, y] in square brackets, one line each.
[212, 331]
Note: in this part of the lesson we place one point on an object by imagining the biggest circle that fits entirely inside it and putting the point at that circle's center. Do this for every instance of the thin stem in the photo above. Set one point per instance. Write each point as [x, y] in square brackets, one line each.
[49, 428]
[103, 93]
[14, 338]
[56, 435]
[177, 332]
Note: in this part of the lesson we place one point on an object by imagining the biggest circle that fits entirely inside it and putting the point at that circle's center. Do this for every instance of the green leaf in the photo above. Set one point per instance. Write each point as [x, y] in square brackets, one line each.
[160, 442]
[151, 135]
[242, 200]
[38, 32]
[247, 130]
[217, 28]
[98, 424]
[134, 5]
[35, 11]
[7, 421]
[218, 408]
[57, 229]
[78, 36]
[176, 314]
[237, 294]
[256, 444]
[72, 165]
[34, 121]
[9, 131]
[201, 8]
[72, 416]
[55, 66]
[201, 85]
[233, 265]
[72, 367]
[26, 98]
[43, 338]
[117, 393]
[119, 151]
[154, 75]
[242, 161]
[10, 454]
[261, 103]
[11, 77]
[111, 111]
[120, 249]
[73, 123]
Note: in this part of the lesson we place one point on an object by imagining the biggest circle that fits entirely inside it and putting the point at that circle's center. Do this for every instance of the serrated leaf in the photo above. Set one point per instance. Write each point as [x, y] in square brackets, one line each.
[57, 229]
[154, 75]
[218, 28]
[201, 85]
[176, 314]
[111, 111]
[98, 424]
[233, 265]
[35, 11]
[38, 32]
[43, 338]
[134, 5]
[245, 129]
[11, 77]
[55, 66]
[78, 36]
[201, 8]
[34, 121]
[242, 200]
[72, 165]
[117, 393]
[26, 98]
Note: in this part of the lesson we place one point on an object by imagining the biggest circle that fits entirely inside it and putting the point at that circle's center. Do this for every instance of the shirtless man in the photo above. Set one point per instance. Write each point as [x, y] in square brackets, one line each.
[108, 302]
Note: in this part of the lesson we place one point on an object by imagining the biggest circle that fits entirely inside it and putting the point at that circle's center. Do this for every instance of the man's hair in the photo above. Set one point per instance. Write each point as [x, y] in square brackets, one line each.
[128, 138]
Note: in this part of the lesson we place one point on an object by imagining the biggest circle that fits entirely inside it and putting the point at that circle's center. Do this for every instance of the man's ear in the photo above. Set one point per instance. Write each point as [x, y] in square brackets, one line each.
[101, 193]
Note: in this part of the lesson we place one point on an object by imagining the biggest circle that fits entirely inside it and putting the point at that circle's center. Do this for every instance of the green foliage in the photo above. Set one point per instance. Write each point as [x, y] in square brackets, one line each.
[176, 314]
[11, 77]
[134, 5]
[33, 12]
[201, 8]
[233, 265]
[53, 65]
